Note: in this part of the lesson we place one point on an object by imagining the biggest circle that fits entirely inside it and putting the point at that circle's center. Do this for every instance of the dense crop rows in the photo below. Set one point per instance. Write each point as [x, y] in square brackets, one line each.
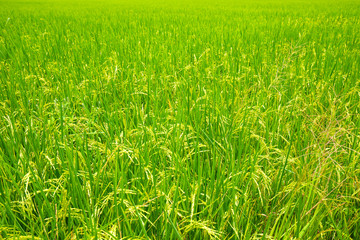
[167, 120]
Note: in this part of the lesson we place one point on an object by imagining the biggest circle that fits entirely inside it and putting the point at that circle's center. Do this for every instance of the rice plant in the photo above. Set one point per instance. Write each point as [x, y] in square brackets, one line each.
[179, 120]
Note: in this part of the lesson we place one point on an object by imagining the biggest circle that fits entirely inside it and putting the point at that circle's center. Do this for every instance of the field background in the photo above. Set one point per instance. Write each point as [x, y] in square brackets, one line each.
[179, 120]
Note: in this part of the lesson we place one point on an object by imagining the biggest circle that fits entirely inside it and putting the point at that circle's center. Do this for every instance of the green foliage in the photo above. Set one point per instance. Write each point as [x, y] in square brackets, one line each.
[179, 120]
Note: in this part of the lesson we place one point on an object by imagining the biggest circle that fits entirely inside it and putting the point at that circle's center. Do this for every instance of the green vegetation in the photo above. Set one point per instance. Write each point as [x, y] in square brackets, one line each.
[168, 120]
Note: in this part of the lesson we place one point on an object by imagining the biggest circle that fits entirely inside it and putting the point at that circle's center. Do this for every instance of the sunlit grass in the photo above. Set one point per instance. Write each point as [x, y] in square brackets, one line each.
[165, 120]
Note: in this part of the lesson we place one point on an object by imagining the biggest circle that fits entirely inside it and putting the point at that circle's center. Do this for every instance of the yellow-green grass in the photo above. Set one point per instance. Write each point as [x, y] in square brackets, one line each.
[179, 120]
